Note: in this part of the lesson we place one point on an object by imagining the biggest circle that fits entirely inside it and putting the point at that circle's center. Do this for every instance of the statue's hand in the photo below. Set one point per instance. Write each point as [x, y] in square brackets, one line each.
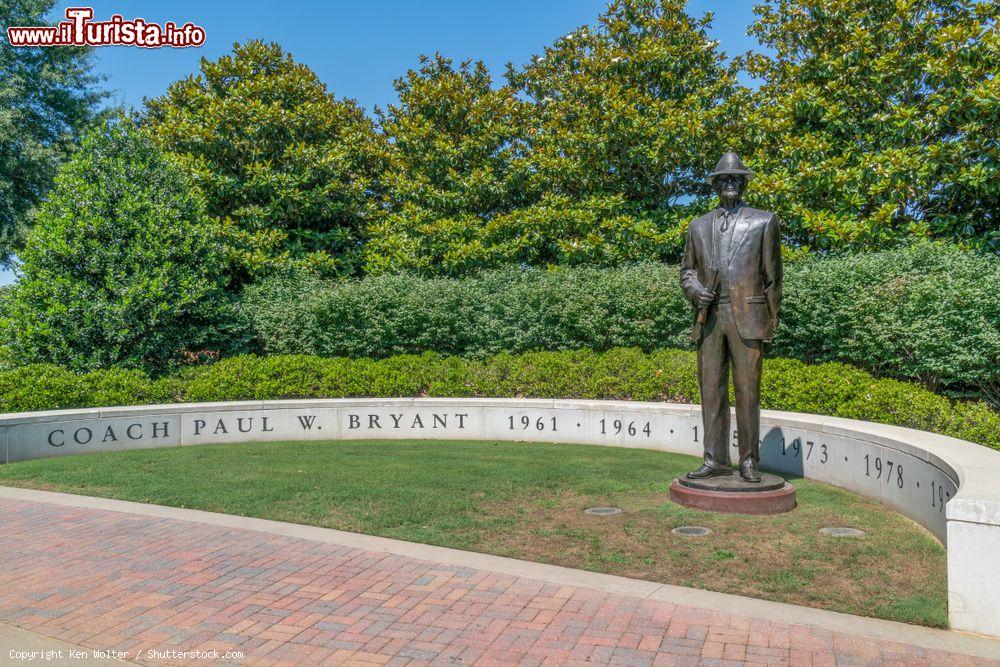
[704, 298]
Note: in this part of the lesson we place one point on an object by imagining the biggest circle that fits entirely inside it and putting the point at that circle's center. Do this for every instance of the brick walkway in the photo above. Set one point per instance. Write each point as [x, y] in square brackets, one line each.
[112, 580]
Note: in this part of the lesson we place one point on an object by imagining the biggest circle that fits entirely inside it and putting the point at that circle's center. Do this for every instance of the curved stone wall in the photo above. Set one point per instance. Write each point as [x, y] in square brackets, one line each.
[949, 486]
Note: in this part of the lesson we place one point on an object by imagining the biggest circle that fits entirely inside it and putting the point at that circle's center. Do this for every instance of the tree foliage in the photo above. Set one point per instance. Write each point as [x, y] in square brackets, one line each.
[122, 267]
[46, 96]
[455, 148]
[564, 165]
[273, 151]
[630, 106]
[876, 122]
[630, 109]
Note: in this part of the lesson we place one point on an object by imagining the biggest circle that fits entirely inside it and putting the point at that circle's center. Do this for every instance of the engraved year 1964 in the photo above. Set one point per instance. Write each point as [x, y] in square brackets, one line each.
[617, 426]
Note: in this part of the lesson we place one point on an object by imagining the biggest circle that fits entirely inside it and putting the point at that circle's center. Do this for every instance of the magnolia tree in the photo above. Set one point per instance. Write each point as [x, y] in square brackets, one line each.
[455, 162]
[286, 163]
[628, 120]
[122, 267]
[594, 153]
[46, 96]
[630, 106]
[876, 122]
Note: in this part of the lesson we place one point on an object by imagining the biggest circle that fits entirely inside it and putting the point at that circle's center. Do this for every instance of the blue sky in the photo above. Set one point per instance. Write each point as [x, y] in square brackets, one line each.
[359, 48]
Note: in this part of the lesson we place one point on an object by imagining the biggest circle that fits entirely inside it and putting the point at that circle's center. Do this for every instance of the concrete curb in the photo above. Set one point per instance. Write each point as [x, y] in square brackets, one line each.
[943, 640]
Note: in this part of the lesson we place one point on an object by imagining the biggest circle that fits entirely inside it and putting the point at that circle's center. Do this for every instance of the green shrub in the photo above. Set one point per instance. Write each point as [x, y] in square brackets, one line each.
[617, 374]
[930, 313]
[497, 311]
[49, 387]
[43, 387]
[122, 268]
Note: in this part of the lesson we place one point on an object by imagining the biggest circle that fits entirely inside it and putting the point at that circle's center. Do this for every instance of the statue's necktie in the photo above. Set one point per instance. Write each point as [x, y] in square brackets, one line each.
[725, 238]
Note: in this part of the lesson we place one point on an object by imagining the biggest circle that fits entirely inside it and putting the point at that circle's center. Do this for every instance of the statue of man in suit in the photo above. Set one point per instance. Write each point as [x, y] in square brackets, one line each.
[731, 274]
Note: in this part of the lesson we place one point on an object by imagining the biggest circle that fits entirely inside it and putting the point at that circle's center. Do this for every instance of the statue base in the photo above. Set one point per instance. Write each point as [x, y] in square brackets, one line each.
[731, 495]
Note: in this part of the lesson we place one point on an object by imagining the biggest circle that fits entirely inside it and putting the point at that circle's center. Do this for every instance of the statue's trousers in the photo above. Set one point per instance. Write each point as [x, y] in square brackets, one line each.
[720, 346]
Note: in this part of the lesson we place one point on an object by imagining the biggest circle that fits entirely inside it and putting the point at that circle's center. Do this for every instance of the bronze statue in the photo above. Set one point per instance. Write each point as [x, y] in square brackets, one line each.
[731, 274]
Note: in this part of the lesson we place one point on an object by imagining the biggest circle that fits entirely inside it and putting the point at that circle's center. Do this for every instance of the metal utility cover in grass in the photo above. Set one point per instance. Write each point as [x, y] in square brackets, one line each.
[841, 532]
[602, 511]
[691, 531]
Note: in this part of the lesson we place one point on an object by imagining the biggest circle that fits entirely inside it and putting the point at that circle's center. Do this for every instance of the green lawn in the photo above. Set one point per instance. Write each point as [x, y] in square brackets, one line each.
[525, 500]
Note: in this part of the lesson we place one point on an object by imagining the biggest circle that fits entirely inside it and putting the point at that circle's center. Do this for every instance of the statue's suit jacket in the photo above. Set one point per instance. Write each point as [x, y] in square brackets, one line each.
[754, 269]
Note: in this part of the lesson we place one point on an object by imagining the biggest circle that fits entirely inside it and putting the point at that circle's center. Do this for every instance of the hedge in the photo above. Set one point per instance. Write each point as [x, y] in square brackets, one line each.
[619, 374]
[930, 313]
[496, 311]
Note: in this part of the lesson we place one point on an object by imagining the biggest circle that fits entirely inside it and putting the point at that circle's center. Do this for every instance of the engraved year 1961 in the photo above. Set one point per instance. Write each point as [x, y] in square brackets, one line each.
[525, 422]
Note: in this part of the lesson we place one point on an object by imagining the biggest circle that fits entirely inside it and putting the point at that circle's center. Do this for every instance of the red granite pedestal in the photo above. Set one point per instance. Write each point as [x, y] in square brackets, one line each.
[731, 495]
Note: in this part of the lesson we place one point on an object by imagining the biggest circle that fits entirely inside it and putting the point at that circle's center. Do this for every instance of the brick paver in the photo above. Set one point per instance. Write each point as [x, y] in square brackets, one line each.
[113, 580]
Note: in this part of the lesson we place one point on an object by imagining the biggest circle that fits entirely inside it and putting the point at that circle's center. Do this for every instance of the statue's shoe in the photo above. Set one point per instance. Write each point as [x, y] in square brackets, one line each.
[749, 471]
[708, 471]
